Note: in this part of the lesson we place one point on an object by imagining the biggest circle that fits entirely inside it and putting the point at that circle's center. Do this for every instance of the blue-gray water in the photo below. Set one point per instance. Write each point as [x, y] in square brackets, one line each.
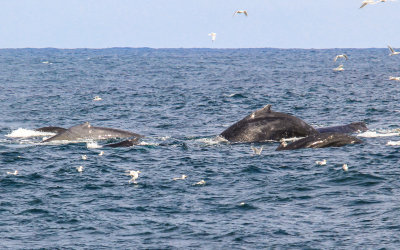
[180, 99]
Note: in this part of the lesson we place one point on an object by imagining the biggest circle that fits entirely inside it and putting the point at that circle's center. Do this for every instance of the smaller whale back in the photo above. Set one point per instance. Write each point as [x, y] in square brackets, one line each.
[86, 131]
[126, 143]
[321, 141]
[51, 129]
[349, 128]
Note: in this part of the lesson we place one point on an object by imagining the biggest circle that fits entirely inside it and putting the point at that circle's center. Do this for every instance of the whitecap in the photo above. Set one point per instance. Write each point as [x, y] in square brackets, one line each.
[373, 134]
[143, 143]
[25, 133]
[393, 143]
[93, 144]
[212, 141]
[164, 138]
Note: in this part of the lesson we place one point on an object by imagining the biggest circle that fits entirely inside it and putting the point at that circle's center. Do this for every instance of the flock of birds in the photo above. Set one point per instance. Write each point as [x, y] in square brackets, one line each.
[340, 67]
[366, 2]
[323, 162]
[213, 35]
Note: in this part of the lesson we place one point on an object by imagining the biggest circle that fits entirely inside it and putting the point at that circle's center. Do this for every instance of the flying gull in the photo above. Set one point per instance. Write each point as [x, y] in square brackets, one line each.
[392, 52]
[240, 12]
[341, 56]
[213, 36]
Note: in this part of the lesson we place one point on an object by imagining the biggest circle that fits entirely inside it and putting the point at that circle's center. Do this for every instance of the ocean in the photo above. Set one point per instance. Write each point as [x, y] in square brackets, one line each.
[181, 100]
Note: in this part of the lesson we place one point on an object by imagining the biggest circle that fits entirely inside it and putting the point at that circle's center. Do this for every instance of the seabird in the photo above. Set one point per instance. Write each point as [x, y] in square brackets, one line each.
[257, 151]
[84, 157]
[202, 182]
[97, 98]
[79, 169]
[134, 174]
[341, 56]
[13, 173]
[213, 36]
[394, 78]
[180, 178]
[339, 68]
[392, 52]
[345, 168]
[240, 12]
[365, 2]
[323, 162]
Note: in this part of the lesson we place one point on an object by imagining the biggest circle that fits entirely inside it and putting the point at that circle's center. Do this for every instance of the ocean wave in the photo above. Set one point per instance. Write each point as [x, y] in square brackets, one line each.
[393, 143]
[373, 134]
[212, 141]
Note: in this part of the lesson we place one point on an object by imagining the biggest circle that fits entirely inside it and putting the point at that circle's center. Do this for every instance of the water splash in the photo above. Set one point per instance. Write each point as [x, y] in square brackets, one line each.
[26, 133]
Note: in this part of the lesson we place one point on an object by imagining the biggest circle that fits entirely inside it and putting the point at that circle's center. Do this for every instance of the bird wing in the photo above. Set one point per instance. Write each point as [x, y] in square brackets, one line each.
[336, 58]
[363, 5]
[245, 12]
[345, 56]
[391, 49]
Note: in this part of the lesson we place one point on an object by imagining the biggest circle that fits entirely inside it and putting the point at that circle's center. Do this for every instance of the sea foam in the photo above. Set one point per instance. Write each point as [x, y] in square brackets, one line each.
[26, 133]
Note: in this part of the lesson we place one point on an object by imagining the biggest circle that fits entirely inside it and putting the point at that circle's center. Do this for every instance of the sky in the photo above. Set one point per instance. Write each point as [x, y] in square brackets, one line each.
[187, 23]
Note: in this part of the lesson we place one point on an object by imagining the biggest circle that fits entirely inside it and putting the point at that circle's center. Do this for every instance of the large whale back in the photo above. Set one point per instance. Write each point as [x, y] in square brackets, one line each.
[86, 131]
[264, 125]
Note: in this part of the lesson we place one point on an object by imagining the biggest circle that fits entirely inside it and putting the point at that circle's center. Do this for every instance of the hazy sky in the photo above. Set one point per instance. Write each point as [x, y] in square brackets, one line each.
[186, 24]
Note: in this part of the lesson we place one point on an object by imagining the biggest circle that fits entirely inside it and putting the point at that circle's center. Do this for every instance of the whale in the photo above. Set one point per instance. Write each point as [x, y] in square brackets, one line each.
[126, 143]
[266, 125]
[86, 131]
[51, 129]
[321, 140]
[354, 127]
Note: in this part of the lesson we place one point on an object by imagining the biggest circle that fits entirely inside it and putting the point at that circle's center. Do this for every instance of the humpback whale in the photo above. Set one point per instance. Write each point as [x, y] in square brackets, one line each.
[321, 141]
[264, 124]
[349, 128]
[86, 131]
[126, 143]
[56, 130]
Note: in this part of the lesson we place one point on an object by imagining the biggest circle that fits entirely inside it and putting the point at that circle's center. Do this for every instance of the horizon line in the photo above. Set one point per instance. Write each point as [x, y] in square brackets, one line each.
[156, 48]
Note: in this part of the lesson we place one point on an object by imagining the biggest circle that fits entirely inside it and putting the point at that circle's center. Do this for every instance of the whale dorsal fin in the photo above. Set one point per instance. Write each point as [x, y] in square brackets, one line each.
[267, 108]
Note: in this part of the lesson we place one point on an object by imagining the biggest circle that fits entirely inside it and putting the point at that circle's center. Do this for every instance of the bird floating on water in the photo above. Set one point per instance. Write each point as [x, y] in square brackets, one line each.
[345, 167]
[79, 169]
[97, 98]
[84, 157]
[339, 68]
[240, 12]
[101, 153]
[202, 182]
[323, 162]
[392, 52]
[257, 151]
[341, 56]
[134, 174]
[180, 178]
[394, 78]
[213, 36]
[13, 173]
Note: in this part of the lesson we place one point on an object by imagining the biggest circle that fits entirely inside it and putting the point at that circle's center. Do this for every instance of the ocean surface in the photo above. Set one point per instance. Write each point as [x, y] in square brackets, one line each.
[181, 100]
